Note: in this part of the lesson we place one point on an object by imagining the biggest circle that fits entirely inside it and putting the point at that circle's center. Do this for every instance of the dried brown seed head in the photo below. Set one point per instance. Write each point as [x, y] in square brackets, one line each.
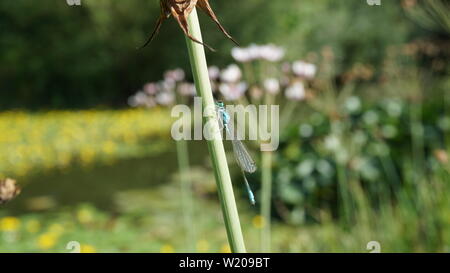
[8, 190]
[180, 10]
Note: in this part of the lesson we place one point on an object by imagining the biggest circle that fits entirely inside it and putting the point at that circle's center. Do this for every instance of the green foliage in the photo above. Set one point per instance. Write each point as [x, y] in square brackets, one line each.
[55, 55]
[356, 31]
[431, 14]
[371, 144]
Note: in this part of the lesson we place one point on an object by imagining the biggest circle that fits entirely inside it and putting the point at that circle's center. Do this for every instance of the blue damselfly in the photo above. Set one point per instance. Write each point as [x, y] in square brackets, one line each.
[243, 158]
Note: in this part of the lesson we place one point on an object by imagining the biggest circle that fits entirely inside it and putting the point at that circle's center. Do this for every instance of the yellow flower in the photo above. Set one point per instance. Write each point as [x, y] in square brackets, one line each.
[202, 246]
[167, 249]
[225, 249]
[33, 226]
[109, 147]
[84, 215]
[9, 224]
[87, 249]
[259, 221]
[87, 155]
[47, 240]
[56, 229]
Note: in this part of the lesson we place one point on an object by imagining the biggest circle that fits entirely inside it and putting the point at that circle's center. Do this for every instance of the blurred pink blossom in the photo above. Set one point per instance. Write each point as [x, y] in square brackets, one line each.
[254, 52]
[296, 91]
[165, 98]
[231, 74]
[176, 75]
[303, 69]
[166, 86]
[272, 85]
[232, 91]
[214, 73]
[150, 88]
[186, 89]
[271, 53]
[241, 55]
[141, 99]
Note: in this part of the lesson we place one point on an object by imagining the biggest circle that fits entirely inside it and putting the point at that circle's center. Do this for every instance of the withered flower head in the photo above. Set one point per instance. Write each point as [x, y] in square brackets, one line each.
[8, 190]
[180, 10]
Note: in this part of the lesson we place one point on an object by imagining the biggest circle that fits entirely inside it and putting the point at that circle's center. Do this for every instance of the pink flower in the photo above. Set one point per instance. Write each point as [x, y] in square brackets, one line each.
[150, 88]
[176, 75]
[166, 86]
[141, 99]
[272, 85]
[186, 89]
[271, 53]
[231, 74]
[303, 69]
[296, 91]
[241, 54]
[165, 98]
[232, 91]
[254, 52]
[214, 73]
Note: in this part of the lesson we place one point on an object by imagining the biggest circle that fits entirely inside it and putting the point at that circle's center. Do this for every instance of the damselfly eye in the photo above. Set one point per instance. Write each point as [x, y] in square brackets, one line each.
[220, 104]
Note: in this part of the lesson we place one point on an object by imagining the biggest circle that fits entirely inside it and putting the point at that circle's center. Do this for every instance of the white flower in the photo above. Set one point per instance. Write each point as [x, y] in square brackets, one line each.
[253, 52]
[303, 69]
[176, 75]
[296, 91]
[232, 91]
[166, 85]
[272, 85]
[231, 74]
[150, 88]
[214, 73]
[241, 54]
[271, 53]
[186, 89]
[133, 101]
[165, 98]
[141, 99]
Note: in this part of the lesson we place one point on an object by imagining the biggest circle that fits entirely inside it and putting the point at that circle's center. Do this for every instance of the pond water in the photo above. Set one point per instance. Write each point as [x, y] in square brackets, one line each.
[99, 184]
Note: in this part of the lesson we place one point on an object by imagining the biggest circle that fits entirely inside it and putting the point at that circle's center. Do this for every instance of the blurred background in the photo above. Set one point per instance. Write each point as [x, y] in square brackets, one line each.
[365, 127]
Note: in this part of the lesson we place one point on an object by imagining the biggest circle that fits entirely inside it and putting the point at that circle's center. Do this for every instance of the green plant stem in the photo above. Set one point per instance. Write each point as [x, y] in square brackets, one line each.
[286, 116]
[215, 145]
[187, 202]
[266, 198]
[266, 188]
